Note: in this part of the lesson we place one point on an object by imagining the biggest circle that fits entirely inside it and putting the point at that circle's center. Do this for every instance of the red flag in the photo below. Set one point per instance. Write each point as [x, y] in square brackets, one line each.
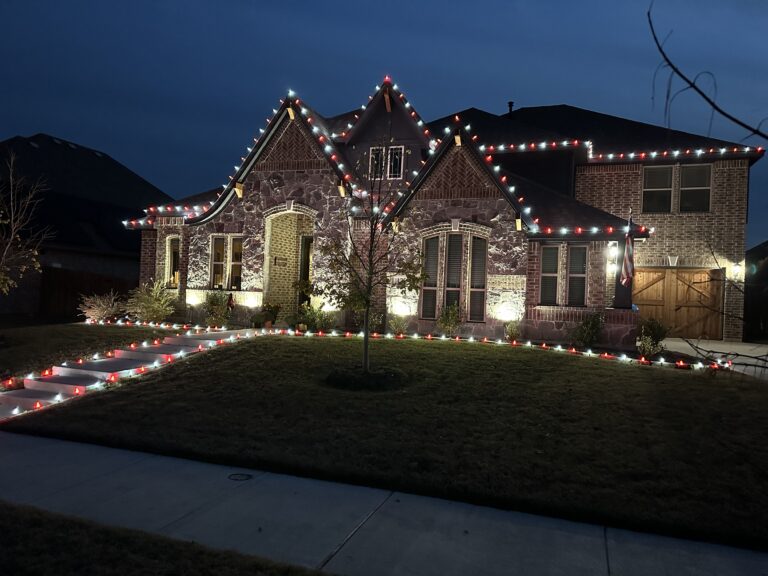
[628, 267]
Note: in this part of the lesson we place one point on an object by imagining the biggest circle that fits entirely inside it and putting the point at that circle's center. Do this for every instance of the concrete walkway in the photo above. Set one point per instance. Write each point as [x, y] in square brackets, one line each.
[737, 352]
[339, 528]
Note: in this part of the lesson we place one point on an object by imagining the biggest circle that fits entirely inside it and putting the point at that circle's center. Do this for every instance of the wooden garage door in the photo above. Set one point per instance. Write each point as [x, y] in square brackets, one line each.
[687, 300]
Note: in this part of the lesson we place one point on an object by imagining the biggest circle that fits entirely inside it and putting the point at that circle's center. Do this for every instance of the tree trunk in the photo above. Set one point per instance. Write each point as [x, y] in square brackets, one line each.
[366, 357]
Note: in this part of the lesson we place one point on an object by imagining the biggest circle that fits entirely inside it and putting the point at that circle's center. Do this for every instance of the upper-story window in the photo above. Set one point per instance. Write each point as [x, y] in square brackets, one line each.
[691, 185]
[395, 162]
[172, 262]
[376, 163]
[695, 185]
[657, 189]
[386, 162]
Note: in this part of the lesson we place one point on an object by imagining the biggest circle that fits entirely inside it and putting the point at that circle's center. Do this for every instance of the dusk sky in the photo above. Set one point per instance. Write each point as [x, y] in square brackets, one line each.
[176, 90]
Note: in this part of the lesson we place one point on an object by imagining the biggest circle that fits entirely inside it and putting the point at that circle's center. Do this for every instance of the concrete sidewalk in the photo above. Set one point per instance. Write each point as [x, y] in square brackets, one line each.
[339, 528]
[738, 352]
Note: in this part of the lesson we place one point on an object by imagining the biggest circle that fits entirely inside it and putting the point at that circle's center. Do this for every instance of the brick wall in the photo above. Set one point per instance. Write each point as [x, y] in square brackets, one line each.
[714, 239]
[148, 256]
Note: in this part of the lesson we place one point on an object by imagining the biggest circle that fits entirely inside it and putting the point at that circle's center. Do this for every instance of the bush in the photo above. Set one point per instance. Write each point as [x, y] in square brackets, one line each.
[315, 318]
[271, 311]
[398, 324]
[151, 302]
[512, 330]
[651, 333]
[215, 308]
[587, 333]
[375, 319]
[257, 320]
[449, 319]
[98, 307]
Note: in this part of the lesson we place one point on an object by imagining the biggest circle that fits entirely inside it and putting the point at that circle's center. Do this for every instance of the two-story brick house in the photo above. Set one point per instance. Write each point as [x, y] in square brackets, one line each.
[513, 218]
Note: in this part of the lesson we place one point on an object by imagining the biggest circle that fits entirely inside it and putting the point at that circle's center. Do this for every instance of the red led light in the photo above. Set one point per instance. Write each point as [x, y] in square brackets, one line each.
[78, 391]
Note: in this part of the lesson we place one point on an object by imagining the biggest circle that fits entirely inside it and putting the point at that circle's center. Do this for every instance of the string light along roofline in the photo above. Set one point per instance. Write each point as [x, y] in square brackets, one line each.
[353, 183]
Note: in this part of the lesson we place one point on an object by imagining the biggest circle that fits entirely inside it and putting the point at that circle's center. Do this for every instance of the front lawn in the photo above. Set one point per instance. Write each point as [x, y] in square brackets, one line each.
[36, 543]
[663, 450]
[34, 348]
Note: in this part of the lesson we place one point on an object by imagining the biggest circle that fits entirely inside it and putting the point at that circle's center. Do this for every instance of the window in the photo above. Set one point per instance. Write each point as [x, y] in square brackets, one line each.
[477, 279]
[549, 262]
[236, 264]
[395, 162]
[429, 288]
[217, 262]
[172, 262]
[376, 163]
[694, 188]
[657, 189]
[453, 270]
[577, 275]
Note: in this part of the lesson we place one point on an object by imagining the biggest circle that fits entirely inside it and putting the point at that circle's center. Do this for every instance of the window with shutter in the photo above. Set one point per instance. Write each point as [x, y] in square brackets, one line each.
[549, 265]
[577, 275]
[429, 287]
[453, 270]
[477, 284]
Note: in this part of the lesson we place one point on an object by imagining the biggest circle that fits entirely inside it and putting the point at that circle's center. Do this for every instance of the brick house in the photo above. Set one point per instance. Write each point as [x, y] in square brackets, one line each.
[514, 218]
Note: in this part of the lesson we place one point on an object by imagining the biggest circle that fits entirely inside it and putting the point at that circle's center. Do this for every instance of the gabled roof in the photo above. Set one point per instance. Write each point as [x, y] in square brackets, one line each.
[545, 212]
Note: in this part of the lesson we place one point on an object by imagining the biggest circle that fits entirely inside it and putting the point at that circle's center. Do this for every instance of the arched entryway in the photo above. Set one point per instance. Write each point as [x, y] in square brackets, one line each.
[288, 259]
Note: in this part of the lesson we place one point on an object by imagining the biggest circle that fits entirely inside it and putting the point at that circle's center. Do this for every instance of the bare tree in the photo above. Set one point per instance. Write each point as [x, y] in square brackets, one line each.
[693, 84]
[19, 240]
[362, 260]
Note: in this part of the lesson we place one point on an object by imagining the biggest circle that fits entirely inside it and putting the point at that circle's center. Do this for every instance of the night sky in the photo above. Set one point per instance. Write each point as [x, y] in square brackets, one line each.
[176, 90]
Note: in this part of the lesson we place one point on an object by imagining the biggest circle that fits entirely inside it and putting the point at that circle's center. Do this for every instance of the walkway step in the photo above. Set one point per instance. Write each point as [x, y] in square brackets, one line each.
[8, 410]
[207, 339]
[156, 352]
[31, 399]
[72, 385]
[102, 369]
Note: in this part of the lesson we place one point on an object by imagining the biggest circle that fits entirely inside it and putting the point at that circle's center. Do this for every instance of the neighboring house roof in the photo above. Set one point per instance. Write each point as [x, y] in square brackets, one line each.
[87, 192]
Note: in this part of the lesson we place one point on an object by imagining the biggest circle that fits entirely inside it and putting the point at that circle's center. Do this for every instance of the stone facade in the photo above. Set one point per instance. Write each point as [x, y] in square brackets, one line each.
[713, 239]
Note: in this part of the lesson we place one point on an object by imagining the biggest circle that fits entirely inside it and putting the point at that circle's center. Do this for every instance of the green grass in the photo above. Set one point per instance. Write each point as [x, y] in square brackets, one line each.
[662, 450]
[33, 348]
[41, 543]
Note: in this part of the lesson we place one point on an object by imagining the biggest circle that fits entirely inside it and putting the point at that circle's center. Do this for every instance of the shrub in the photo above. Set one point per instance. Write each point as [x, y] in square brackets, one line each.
[151, 302]
[271, 311]
[398, 324]
[375, 319]
[512, 330]
[215, 308]
[315, 318]
[651, 333]
[587, 333]
[449, 319]
[98, 307]
[257, 319]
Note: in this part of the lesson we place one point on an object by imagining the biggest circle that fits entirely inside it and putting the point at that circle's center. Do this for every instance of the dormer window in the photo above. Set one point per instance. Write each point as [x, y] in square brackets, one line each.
[386, 162]
[395, 162]
[376, 163]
